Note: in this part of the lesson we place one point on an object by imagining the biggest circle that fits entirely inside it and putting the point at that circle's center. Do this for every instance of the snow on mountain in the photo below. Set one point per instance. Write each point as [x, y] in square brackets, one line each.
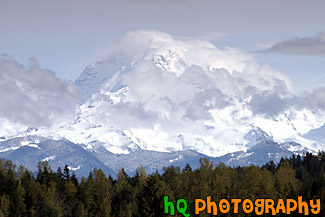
[317, 134]
[159, 93]
[9, 128]
[259, 154]
[255, 136]
[30, 150]
[31, 141]
[156, 100]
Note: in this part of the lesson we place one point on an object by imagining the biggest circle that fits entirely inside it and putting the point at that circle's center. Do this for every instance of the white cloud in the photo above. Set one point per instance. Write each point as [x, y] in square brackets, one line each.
[194, 76]
[172, 81]
[33, 96]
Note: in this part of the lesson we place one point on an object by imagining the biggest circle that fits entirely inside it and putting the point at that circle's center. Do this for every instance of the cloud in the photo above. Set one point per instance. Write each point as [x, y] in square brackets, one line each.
[184, 79]
[195, 77]
[313, 100]
[268, 103]
[319, 97]
[307, 46]
[33, 96]
[271, 104]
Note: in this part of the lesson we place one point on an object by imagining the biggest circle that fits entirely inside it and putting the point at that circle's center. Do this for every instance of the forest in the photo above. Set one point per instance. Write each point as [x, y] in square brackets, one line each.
[60, 193]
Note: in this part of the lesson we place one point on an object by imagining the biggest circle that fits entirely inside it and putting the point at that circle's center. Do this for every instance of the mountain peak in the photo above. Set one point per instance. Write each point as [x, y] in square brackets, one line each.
[255, 136]
[151, 50]
[156, 87]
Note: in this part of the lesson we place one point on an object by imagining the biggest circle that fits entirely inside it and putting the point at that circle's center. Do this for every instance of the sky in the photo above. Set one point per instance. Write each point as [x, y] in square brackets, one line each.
[66, 36]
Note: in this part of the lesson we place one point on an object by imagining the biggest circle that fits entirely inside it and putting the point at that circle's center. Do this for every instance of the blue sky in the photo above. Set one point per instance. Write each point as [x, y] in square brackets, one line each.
[65, 36]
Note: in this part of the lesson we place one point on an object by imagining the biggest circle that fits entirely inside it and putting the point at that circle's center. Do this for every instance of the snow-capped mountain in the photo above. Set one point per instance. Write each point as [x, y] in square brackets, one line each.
[255, 136]
[317, 135]
[154, 92]
[30, 150]
[168, 100]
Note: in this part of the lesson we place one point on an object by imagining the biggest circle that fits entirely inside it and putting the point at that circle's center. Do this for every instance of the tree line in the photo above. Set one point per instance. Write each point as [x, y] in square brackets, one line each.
[60, 193]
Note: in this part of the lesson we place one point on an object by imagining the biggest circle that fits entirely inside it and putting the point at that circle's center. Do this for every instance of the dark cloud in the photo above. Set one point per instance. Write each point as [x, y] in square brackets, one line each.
[319, 97]
[313, 100]
[31, 95]
[272, 104]
[307, 46]
[268, 103]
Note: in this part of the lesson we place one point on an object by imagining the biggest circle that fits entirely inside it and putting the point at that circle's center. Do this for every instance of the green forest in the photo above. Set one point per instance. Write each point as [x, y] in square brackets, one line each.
[59, 193]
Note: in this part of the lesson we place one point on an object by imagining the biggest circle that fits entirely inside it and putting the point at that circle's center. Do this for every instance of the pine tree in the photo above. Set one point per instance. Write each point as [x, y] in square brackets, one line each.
[286, 182]
[4, 205]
